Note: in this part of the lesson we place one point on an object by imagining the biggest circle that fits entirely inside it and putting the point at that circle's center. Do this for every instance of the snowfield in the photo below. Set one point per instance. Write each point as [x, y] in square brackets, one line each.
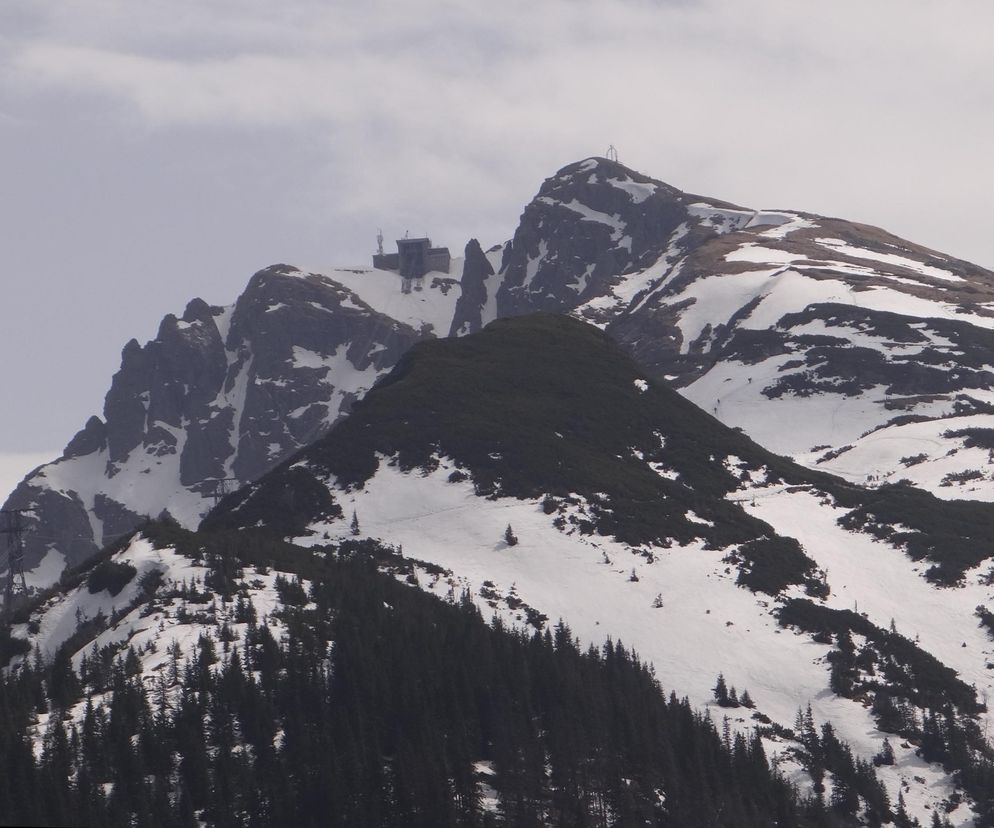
[683, 611]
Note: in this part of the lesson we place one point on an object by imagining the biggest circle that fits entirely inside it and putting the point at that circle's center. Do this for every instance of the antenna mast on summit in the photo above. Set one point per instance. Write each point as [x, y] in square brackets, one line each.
[13, 527]
[379, 242]
[612, 153]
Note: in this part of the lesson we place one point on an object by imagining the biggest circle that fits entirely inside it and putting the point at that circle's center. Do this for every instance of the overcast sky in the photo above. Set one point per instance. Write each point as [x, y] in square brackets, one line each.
[159, 150]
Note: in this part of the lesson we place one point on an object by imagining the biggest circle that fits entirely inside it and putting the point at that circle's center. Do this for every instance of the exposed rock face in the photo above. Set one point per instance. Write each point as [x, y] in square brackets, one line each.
[162, 386]
[590, 222]
[92, 438]
[326, 336]
[472, 304]
[220, 393]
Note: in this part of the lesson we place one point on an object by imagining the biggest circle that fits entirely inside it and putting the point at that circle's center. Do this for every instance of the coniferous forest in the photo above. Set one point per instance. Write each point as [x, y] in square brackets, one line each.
[383, 706]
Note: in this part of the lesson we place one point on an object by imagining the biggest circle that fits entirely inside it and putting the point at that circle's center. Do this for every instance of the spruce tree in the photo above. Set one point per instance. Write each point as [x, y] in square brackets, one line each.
[886, 755]
[901, 818]
[721, 691]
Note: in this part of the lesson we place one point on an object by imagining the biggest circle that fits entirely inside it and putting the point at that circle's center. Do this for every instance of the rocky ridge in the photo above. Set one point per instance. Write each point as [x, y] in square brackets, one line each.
[217, 398]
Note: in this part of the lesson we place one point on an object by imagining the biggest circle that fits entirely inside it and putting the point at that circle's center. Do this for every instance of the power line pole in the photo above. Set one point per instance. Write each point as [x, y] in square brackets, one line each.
[221, 487]
[13, 528]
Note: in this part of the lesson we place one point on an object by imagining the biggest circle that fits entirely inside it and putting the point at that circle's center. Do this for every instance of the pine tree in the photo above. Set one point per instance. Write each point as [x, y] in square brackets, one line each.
[132, 664]
[901, 818]
[843, 660]
[354, 526]
[509, 537]
[63, 684]
[886, 755]
[845, 799]
[721, 691]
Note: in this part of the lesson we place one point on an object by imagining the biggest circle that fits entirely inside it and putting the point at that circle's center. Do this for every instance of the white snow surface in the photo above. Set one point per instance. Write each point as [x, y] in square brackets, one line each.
[48, 570]
[765, 255]
[721, 219]
[820, 419]
[564, 575]
[638, 191]
[716, 299]
[840, 246]
[924, 453]
[880, 582]
[787, 224]
[58, 617]
[589, 214]
[381, 290]
[145, 481]
[633, 290]
[707, 625]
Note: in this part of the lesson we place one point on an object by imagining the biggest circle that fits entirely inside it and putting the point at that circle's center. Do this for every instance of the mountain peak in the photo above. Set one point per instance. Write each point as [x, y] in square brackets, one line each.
[604, 173]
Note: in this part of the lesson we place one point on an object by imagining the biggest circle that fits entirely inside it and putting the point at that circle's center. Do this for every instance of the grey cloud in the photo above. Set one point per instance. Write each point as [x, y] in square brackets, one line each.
[160, 150]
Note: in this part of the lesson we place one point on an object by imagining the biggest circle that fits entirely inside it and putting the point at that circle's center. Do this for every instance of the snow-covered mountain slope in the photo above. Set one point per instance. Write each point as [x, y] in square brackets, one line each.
[833, 342]
[575, 487]
[149, 596]
[846, 332]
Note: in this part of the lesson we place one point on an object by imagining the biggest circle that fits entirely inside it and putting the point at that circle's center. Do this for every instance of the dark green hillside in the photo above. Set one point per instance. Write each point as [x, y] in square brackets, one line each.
[541, 405]
[546, 405]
